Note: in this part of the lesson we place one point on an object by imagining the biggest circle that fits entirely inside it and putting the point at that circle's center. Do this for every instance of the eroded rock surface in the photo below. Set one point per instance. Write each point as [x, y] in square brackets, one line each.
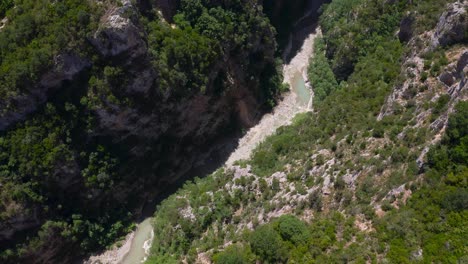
[453, 25]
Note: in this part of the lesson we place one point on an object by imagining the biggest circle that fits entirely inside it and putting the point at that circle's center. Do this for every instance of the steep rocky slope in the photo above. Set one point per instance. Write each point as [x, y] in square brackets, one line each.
[376, 174]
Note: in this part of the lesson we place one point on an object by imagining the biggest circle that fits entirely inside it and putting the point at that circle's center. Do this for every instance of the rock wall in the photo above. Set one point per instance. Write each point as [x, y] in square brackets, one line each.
[293, 20]
[158, 138]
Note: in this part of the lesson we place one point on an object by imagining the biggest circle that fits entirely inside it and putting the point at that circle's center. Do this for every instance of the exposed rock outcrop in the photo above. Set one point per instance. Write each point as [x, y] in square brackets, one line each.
[453, 25]
[118, 35]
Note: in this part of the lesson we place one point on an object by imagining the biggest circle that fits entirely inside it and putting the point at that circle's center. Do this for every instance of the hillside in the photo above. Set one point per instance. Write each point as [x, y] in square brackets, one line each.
[183, 120]
[106, 104]
[375, 174]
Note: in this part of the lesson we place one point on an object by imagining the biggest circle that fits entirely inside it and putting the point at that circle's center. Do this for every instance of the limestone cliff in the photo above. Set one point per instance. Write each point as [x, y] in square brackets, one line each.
[156, 135]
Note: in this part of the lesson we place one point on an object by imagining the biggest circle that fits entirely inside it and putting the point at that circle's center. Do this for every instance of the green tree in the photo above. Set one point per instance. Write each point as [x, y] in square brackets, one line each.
[234, 254]
[292, 229]
[267, 244]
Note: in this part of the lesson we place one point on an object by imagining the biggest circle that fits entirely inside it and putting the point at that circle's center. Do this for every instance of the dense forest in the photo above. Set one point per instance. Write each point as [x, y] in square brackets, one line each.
[73, 177]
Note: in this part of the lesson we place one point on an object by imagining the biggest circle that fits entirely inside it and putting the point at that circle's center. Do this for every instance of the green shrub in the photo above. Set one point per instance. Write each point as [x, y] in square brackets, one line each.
[234, 254]
[320, 73]
[4, 6]
[267, 244]
[424, 76]
[292, 229]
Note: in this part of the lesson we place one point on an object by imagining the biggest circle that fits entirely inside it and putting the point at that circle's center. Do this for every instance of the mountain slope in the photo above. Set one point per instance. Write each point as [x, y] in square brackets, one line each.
[377, 173]
[105, 104]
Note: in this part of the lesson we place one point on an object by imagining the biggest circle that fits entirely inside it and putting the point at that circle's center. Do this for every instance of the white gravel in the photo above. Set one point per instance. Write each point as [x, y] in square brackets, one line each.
[286, 109]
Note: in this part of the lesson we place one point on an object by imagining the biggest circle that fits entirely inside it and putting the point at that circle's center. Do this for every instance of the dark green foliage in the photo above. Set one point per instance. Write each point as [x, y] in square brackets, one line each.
[354, 106]
[320, 73]
[457, 135]
[37, 31]
[292, 229]
[268, 245]
[32, 162]
[455, 147]
[4, 6]
[101, 169]
[349, 36]
[433, 218]
[59, 146]
[438, 211]
[29, 156]
[207, 33]
[177, 50]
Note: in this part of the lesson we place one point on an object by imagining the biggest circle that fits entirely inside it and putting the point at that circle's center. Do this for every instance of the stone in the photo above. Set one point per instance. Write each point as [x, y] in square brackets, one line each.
[447, 79]
[119, 36]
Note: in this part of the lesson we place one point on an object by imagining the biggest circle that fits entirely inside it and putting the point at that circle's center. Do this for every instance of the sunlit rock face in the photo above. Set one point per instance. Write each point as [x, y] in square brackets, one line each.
[453, 25]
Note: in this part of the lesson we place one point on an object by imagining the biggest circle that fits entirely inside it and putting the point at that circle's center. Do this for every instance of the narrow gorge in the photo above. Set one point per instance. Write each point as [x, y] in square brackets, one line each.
[298, 99]
[233, 131]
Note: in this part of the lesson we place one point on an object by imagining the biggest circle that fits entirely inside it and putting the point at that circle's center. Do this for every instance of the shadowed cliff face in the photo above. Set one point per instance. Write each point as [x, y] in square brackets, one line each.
[294, 21]
[158, 136]
[168, 8]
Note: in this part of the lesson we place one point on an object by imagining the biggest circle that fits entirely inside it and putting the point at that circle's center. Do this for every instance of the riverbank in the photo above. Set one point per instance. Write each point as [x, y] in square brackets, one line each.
[135, 247]
[114, 255]
[292, 104]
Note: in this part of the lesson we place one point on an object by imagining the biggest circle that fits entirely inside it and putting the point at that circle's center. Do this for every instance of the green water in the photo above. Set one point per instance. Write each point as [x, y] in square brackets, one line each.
[300, 89]
[143, 233]
[137, 252]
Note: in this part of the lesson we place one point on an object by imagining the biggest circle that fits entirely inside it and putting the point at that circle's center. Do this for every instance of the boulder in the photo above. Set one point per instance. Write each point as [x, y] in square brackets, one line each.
[447, 79]
[118, 35]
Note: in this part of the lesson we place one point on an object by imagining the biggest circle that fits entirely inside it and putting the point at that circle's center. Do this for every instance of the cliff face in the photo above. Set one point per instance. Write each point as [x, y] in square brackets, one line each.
[293, 20]
[67, 67]
[162, 134]
[156, 135]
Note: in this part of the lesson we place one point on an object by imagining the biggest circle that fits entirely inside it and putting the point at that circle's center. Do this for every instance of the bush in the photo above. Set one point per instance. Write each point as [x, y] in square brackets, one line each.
[267, 244]
[292, 229]
[4, 6]
[424, 76]
[235, 254]
[320, 73]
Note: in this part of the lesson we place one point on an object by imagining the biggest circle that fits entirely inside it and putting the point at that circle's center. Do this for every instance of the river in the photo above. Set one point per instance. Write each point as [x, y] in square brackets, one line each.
[136, 246]
[298, 100]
